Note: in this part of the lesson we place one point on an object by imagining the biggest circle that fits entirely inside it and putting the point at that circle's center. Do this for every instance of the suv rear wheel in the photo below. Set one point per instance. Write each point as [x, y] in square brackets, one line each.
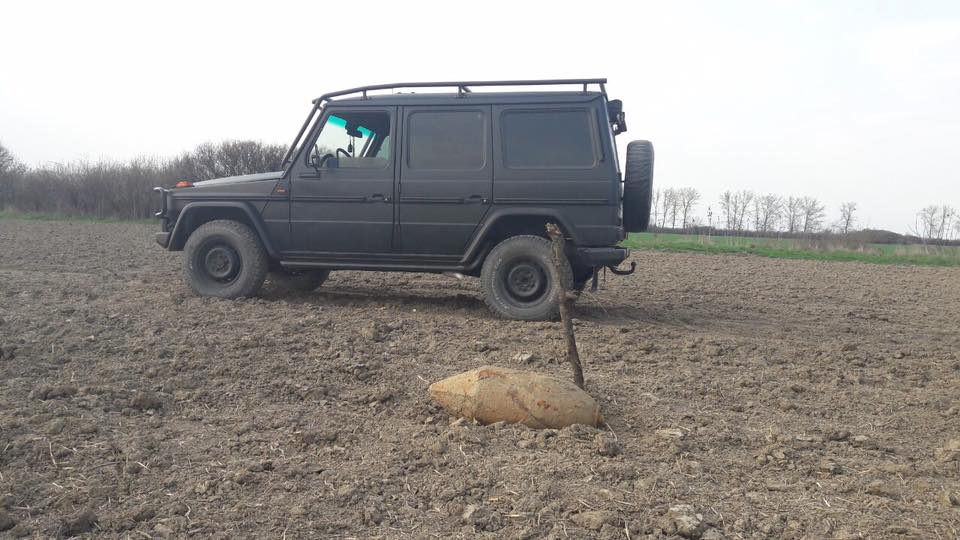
[224, 258]
[519, 279]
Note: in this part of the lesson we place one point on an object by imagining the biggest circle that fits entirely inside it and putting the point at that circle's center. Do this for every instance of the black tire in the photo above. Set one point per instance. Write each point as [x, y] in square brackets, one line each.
[299, 280]
[519, 279]
[638, 186]
[224, 258]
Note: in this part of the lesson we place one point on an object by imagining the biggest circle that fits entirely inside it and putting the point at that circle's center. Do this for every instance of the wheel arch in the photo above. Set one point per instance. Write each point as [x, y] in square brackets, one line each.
[195, 214]
[504, 223]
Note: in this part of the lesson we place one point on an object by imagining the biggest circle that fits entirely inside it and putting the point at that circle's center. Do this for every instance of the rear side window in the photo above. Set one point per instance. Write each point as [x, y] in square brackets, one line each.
[549, 138]
[446, 140]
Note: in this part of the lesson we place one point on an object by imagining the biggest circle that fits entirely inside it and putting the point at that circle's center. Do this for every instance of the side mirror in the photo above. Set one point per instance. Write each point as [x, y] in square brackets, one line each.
[328, 161]
[620, 125]
[618, 119]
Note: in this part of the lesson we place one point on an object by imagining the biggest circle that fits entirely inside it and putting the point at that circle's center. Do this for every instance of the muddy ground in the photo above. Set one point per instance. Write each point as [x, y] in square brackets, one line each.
[757, 398]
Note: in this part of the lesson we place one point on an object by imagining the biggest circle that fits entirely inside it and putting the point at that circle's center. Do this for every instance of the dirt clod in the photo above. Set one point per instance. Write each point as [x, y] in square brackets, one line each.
[882, 488]
[482, 517]
[56, 426]
[683, 520]
[54, 391]
[830, 467]
[144, 401]
[82, 522]
[524, 358]
[8, 352]
[6, 520]
[949, 452]
[594, 519]
[607, 446]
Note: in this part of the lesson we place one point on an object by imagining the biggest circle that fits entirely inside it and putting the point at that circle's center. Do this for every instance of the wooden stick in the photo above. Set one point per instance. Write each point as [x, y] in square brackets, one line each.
[565, 299]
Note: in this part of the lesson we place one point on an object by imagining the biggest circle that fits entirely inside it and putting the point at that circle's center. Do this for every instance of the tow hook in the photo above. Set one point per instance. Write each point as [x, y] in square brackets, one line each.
[594, 280]
[633, 268]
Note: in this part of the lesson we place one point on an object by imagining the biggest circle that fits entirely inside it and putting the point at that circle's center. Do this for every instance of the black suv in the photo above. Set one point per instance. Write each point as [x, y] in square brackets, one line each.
[461, 182]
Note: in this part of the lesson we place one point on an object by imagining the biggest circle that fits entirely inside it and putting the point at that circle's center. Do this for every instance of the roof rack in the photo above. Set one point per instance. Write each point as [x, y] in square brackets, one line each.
[463, 87]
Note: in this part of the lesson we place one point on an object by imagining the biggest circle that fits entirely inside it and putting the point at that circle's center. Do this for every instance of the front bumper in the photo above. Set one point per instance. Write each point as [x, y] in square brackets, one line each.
[602, 256]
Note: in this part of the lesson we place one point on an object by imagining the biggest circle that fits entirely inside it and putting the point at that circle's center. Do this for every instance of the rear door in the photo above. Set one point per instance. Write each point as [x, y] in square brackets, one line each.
[552, 156]
[341, 200]
[446, 177]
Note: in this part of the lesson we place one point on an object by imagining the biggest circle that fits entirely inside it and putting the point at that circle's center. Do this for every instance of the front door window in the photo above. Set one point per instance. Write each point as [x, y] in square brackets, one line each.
[351, 140]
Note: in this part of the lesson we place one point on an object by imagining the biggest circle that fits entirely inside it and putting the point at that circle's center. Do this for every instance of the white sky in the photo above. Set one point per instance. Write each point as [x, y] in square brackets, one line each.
[850, 100]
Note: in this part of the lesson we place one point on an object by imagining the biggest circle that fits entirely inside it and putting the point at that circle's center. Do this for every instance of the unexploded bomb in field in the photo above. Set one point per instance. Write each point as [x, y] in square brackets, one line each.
[492, 394]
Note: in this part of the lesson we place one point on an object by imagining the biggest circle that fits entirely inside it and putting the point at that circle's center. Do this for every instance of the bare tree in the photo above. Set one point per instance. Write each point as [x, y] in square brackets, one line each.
[741, 205]
[669, 204]
[947, 215]
[936, 223]
[123, 189]
[6, 159]
[688, 198]
[728, 210]
[757, 212]
[11, 171]
[813, 213]
[767, 212]
[735, 208]
[794, 214]
[847, 218]
[655, 207]
[229, 158]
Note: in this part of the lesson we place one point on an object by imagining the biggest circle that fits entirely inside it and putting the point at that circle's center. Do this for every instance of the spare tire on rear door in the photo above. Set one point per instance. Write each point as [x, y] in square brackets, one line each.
[638, 186]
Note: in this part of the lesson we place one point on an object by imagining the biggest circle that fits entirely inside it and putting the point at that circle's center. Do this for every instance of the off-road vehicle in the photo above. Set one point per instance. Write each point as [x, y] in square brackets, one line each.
[461, 182]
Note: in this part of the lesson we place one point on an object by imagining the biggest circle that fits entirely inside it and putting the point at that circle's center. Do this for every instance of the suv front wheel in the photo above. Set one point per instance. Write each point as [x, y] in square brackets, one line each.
[519, 279]
[224, 258]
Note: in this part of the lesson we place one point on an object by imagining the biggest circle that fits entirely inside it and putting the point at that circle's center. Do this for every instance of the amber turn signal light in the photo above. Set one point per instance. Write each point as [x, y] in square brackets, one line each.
[184, 183]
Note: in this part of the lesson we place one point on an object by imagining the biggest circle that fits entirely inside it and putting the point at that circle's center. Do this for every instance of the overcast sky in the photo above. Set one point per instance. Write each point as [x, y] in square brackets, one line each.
[845, 101]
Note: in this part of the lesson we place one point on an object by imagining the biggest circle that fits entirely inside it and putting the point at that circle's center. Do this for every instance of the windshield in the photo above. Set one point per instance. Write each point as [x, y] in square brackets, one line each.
[298, 140]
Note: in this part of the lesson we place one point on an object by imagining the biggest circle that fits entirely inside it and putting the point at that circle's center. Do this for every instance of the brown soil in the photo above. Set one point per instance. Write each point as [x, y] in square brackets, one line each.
[746, 397]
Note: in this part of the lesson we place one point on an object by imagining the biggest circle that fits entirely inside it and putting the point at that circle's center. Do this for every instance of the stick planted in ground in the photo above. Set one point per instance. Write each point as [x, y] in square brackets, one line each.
[566, 299]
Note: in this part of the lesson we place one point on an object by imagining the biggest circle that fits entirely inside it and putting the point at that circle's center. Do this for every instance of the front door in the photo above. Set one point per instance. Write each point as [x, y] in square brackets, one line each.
[446, 177]
[341, 200]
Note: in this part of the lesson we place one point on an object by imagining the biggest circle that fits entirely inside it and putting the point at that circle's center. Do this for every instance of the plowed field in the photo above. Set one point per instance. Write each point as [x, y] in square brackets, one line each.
[757, 398]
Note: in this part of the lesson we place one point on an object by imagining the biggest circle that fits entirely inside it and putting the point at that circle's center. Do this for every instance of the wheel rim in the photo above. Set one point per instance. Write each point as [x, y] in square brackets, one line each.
[221, 263]
[525, 281]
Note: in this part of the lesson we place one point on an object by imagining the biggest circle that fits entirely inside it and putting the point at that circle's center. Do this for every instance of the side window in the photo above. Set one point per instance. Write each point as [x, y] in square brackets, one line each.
[446, 140]
[353, 140]
[548, 139]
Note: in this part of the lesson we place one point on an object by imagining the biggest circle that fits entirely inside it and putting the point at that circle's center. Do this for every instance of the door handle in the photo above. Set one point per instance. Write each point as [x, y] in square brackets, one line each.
[475, 199]
[378, 197]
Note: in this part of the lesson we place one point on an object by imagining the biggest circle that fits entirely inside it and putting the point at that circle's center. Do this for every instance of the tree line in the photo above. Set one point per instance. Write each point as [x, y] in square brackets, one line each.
[746, 211]
[741, 212]
[123, 189]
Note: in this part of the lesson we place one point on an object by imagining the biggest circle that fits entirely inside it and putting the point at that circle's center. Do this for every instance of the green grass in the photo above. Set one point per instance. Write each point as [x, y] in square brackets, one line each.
[829, 250]
[41, 216]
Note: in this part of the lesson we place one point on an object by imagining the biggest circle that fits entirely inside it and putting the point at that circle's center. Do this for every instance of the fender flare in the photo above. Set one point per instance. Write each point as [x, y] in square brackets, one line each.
[178, 234]
[473, 256]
